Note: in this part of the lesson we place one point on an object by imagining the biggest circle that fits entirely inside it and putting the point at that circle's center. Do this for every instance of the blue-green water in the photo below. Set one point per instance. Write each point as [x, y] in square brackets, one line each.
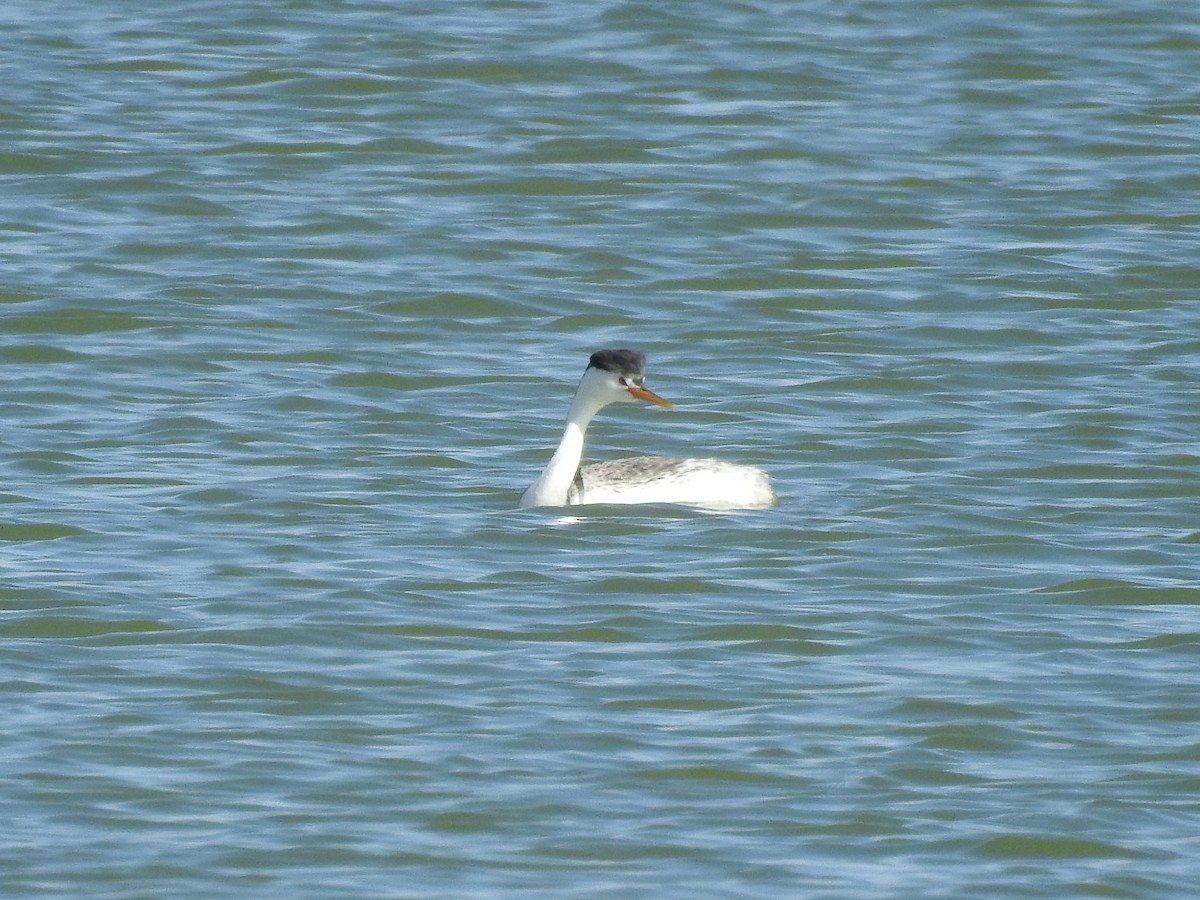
[294, 298]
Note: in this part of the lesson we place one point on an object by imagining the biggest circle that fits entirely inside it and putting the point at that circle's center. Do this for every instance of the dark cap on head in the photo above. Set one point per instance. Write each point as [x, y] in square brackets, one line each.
[628, 363]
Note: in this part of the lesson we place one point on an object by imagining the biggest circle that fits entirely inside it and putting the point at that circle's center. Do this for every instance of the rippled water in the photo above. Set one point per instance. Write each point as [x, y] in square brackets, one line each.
[294, 299]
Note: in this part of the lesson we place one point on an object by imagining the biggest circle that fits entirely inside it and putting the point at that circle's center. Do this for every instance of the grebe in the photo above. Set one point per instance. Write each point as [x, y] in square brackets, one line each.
[618, 376]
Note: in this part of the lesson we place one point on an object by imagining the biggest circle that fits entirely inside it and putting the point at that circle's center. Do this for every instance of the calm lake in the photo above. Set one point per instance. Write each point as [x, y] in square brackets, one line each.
[294, 300]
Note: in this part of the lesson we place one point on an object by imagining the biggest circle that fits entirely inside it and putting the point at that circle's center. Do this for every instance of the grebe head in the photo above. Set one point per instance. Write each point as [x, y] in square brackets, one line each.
[621, 376]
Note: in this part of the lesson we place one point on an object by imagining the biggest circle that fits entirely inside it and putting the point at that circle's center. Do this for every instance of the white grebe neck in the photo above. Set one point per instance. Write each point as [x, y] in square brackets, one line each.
[554, 484]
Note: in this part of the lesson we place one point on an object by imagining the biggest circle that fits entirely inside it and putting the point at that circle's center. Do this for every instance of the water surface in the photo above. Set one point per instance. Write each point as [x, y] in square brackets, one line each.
[294, 302]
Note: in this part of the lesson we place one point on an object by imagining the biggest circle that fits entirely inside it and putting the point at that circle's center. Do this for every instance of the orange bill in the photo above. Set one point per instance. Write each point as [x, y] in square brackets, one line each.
[649, 396]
